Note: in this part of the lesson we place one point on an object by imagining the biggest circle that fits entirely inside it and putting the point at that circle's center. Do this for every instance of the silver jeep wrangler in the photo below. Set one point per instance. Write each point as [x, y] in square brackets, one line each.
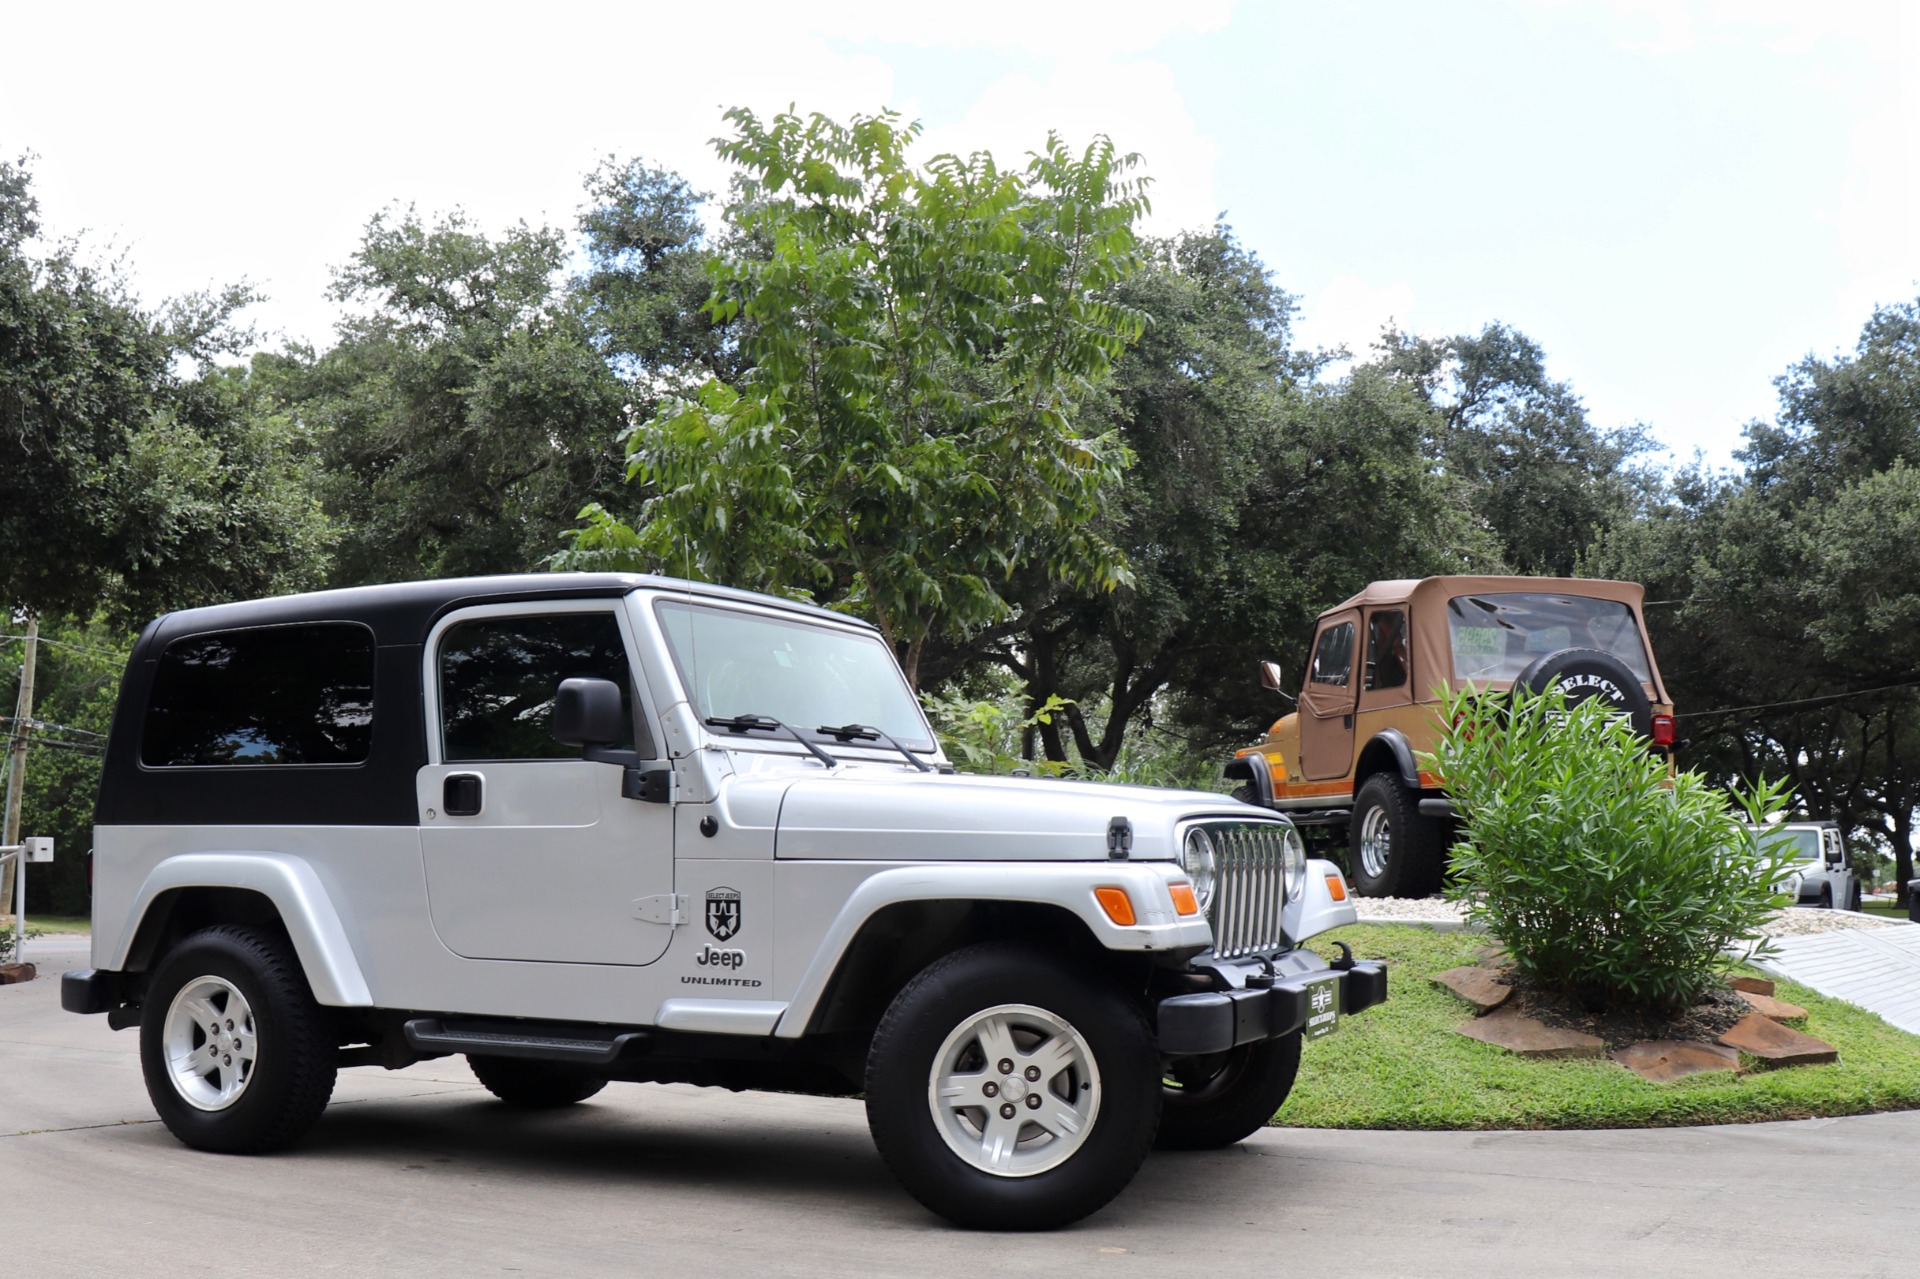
[593, 827]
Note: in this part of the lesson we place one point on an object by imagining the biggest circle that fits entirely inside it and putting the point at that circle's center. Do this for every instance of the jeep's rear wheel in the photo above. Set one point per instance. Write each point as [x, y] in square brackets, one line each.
[1396, 852]
[534, 1085]
[1006, 1090]
[1216, 1100]
[237, 1055]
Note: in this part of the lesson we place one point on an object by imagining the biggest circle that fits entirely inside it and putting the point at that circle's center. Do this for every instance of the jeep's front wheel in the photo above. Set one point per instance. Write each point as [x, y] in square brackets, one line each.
[1396, 851]
[237, 1056]
[534, 1085]
[1221, 1098]
[1007, 1090]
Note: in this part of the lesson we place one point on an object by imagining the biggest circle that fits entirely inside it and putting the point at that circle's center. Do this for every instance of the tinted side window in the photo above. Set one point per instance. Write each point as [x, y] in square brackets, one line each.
[275, 695]
[498, 676]
[1333, 657]
[1386, 650]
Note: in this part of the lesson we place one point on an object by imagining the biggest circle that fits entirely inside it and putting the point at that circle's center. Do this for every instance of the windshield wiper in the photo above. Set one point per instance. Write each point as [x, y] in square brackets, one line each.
[751, 723]
[868, 733]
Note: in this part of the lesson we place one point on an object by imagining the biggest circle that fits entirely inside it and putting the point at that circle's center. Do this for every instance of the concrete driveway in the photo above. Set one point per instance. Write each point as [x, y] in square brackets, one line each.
[418, 1172]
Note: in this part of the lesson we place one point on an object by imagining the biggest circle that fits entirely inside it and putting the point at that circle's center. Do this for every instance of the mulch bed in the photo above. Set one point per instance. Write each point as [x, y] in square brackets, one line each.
[1717, 1013]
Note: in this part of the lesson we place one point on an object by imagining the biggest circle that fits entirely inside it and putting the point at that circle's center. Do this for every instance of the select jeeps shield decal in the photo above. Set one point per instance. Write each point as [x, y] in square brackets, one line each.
[723, 912]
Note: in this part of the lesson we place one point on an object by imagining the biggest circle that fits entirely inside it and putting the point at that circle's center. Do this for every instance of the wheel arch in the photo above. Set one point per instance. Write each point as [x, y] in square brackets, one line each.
[1388, 752]
[184, 894]
[898, 921]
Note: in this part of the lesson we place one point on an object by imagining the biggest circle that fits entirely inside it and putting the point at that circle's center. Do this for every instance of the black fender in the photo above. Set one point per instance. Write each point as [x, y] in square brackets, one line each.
[1394, 743]
[1259, 779]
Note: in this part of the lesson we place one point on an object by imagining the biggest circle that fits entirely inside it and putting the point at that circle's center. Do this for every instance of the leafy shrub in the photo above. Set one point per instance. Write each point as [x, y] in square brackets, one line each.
[1604, 878]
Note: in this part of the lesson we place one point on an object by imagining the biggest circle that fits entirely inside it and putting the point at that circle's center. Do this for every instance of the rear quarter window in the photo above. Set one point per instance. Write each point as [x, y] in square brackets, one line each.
[273, 695]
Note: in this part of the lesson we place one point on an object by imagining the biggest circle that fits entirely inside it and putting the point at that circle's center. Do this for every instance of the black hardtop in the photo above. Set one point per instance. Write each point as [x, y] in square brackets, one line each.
[403, 612]
[380, 790]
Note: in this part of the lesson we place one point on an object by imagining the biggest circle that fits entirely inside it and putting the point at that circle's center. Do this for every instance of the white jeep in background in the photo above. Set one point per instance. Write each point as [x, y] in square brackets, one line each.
[1820, 872]
[593, 827]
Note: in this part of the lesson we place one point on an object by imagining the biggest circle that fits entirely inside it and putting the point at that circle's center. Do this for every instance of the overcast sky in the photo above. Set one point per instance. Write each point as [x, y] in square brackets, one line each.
[1677, 198]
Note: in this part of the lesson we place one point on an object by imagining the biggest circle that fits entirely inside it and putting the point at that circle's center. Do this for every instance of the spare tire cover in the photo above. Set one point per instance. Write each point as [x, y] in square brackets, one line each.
[1582, 674]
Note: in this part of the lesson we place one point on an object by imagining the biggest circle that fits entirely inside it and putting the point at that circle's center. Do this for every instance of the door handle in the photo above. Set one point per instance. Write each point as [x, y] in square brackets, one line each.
[1346, 721]
[463, 794]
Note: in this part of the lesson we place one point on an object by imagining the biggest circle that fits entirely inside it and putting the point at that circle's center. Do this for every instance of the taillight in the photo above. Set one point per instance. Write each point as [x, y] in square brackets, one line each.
[1663, 730]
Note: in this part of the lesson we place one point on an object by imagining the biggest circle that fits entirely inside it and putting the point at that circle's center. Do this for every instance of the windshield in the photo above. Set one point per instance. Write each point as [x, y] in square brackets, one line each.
[1496, 637]
[1798, 844]
[806, 676]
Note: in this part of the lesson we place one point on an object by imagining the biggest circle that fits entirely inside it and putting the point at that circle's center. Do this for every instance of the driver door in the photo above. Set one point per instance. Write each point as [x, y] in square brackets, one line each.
[530, 851]
[1326, 703]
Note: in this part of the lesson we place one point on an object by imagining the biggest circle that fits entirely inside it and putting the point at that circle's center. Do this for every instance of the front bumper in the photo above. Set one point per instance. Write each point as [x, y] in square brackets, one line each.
[1216, 1020]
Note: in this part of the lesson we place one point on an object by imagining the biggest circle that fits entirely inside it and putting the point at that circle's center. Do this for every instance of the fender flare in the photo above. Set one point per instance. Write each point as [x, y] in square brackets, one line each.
[1259, 778]
[1396, 742]
[312, 923]
[1068, 885]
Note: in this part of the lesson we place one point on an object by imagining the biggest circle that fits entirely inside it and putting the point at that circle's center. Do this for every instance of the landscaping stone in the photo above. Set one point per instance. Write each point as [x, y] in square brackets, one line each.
[1481, 987]
[1525, 1037]
[1768, 1006]
[11, 973]
[1664, 1060]
[1752, 985]
[1493, 956]
[1783, 1045]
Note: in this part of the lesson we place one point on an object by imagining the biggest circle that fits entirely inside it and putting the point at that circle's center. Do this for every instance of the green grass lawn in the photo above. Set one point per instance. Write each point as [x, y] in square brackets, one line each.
[1885, 909]
[1401, 1065]
[58, 924]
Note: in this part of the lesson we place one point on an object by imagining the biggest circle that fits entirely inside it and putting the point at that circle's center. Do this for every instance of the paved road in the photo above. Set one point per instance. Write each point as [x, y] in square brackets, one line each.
[418, 1173]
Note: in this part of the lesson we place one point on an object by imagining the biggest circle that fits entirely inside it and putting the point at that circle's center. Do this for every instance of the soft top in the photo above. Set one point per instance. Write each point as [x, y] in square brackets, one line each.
[1426, 599]
[1402, 590]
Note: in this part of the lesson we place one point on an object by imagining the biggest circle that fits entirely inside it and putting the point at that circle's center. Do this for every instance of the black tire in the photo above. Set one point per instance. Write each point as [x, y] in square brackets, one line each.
[1393, 850]
[1854, 901]
[1584, 674]
[295, 1058]
[1214, 1101]
[1121, 1082]
[534, 1085]
[1826, 897]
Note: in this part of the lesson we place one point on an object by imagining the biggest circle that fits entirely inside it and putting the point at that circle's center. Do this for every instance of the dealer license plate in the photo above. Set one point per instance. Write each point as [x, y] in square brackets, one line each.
[1323, 1006]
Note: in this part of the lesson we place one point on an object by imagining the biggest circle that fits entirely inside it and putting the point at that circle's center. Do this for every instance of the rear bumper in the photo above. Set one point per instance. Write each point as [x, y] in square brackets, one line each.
[1214, 1021]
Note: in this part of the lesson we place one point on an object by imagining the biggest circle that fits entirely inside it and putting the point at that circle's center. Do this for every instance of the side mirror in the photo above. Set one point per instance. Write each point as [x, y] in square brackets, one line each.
[1272, 677]
[587, 712]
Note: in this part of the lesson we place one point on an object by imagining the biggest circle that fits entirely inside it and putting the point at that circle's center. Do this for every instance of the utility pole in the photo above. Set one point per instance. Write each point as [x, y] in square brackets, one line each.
[17, 760]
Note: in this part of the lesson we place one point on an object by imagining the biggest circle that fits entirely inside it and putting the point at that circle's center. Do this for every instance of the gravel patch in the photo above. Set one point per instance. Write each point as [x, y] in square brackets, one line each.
[1794, 921]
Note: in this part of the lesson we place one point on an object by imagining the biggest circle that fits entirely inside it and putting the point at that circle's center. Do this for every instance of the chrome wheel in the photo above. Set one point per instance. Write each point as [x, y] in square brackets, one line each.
[1014, 1090]
[209, 1043]
[1376, 842]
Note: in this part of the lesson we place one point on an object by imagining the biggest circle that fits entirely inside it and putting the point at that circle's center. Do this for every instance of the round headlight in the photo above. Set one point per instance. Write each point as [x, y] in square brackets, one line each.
[1198, 860]
[1293, 863]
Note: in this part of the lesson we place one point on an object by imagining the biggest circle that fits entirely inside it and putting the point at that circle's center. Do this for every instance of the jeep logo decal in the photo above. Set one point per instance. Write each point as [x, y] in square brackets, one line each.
[723, 912]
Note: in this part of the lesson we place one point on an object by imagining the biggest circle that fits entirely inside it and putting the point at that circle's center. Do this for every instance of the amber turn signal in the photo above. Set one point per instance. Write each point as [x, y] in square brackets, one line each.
[1117, 904]
[1337, 887]
[1184, 902]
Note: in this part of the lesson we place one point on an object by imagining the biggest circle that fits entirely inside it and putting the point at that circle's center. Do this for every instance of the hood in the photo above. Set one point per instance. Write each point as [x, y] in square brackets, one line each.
[961, 818]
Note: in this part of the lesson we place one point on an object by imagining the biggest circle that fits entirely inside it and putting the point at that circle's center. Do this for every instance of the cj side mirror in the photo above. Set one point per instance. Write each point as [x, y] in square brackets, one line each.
[587, 712]
[1271, 677]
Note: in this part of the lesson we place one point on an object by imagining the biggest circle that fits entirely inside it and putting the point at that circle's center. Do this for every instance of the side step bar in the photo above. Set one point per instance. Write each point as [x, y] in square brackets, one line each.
[541, 1041]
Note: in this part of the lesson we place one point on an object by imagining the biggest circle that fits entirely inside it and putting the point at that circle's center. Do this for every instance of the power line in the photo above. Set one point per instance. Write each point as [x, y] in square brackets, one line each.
[1827, 699]
[84, 648]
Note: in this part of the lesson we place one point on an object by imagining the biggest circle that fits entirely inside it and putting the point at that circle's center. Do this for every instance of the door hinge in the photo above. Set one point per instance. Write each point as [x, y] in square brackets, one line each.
[662, 908]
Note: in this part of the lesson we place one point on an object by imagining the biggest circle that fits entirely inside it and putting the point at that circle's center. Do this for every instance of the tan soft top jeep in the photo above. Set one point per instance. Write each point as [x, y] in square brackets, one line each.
[1349, 756]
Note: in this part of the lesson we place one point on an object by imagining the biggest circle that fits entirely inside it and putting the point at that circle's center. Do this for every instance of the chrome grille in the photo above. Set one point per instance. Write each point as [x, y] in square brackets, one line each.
[1249, 887]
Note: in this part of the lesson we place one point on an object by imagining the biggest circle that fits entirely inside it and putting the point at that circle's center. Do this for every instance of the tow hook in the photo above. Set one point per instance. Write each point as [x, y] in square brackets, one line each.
[1345, 962]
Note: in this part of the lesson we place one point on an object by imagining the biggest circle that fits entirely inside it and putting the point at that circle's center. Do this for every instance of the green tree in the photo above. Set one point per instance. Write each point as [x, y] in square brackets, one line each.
[643, 293]
[918, 342]
[1543, 477]
[134, 474]
[463, 416]
[1257, 498]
